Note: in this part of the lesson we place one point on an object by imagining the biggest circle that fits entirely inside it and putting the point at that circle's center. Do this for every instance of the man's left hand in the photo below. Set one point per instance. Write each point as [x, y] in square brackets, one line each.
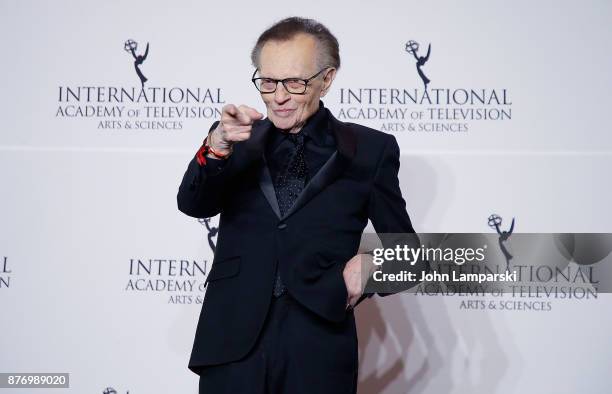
[352, 276]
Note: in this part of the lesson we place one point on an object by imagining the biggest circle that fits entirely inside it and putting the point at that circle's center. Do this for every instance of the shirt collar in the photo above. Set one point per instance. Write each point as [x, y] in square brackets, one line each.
[316, 126]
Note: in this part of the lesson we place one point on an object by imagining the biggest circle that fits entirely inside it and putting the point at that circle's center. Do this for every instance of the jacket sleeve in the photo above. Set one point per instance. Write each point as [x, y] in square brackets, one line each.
[201, 193]
[387, 211]
[387, 208]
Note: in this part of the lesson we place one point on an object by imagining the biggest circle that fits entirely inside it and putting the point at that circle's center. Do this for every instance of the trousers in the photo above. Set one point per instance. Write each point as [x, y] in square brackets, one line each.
[296, 352]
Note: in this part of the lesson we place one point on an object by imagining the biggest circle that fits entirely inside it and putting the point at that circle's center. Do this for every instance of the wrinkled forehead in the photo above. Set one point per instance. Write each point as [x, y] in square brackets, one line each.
[296, 57]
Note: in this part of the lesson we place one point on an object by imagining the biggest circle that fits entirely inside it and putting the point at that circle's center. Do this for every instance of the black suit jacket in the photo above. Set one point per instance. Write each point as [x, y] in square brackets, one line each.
[312, 242]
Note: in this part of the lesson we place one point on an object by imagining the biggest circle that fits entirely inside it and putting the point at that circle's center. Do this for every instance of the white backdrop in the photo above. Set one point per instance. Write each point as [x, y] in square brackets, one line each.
[82, 202]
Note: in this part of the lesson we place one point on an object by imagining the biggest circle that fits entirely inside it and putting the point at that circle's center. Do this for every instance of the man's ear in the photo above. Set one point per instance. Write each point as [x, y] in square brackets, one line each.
[327, 81]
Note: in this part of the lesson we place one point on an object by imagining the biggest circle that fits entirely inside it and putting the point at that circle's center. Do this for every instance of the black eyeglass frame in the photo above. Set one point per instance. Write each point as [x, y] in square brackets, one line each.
[306, 81]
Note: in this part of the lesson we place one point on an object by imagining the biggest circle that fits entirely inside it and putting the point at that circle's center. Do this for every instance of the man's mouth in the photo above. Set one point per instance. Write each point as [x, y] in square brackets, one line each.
[283, 112]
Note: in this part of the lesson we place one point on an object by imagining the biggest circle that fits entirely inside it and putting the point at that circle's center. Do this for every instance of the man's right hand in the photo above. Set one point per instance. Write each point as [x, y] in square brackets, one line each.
[235, 125]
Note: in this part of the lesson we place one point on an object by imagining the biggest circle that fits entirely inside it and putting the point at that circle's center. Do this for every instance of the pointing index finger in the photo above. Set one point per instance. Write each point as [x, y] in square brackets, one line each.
[253, 113]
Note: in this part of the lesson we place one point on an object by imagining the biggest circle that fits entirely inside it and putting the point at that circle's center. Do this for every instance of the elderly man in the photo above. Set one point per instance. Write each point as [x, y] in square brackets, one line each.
[295, 191]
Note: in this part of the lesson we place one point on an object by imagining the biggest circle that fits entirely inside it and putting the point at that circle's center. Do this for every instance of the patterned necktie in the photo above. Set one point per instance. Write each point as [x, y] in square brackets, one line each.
[288, 186]
[291, 179]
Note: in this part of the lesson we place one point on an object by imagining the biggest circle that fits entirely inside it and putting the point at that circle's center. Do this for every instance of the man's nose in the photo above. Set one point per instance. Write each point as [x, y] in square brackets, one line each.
[281, 94]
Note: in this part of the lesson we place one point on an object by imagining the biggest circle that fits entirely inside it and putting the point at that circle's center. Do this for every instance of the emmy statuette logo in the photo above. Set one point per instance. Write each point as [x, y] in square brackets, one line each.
[412, 47]
[495, 222]
[130, 46]
[212, 232]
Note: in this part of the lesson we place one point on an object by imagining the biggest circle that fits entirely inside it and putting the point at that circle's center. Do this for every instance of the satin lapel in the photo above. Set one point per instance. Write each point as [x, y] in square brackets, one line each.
[254, 149]
[267, 186]
[346, 143]
[254, 146]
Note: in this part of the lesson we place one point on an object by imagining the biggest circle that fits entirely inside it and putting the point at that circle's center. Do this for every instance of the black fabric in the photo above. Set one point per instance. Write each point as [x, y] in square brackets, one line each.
[282, 362]
[214, 166]
[310, 244]
[292, 159]
[288, 185]
[290, 181]
[319, 144]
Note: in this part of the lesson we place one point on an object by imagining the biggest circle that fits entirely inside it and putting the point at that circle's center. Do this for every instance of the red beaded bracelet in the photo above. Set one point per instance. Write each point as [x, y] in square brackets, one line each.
[206, 148]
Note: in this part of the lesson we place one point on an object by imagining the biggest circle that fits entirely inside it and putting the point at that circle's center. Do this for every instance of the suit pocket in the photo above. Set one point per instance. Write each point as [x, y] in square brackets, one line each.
[225, 268]
[325, 261]
[314, 268]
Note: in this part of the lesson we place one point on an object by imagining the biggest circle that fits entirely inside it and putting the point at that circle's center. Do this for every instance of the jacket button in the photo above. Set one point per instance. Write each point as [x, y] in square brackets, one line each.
[282, 226]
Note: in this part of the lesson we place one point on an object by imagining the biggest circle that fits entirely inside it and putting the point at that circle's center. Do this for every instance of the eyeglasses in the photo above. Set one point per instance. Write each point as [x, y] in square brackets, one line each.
[293, 85]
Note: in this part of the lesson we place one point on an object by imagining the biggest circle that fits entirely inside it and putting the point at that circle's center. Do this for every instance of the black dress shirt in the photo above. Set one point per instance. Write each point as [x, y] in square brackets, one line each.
[319, 145]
